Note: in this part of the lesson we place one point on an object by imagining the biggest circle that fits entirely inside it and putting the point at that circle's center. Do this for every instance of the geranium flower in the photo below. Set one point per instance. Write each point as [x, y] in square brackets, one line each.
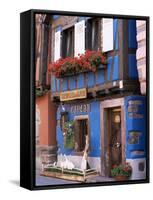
[88, 61]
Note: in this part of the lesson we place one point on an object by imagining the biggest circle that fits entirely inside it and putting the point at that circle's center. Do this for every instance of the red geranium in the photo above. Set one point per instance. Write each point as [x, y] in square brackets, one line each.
[88, 61]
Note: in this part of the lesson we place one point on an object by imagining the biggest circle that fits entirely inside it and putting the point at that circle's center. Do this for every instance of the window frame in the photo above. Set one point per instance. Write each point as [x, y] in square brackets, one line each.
[78, 118]
[89, 34]
[64, 37]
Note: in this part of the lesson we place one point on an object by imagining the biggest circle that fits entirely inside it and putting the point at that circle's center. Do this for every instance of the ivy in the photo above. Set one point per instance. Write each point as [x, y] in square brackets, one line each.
[69, 134]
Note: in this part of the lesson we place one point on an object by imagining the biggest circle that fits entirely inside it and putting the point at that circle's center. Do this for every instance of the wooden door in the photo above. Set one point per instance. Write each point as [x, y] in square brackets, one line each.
[112, 139]
[115, 146]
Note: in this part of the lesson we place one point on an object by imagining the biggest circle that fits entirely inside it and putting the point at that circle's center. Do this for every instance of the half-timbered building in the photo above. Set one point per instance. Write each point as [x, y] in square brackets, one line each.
[105, 107]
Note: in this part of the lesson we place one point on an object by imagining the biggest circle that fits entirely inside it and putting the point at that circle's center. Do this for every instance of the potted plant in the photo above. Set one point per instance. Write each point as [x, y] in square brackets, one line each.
[121, 172]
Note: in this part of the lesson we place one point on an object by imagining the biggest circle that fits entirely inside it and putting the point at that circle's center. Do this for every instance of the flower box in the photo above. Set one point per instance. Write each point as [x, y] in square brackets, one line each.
[82, 71]
[90, 61]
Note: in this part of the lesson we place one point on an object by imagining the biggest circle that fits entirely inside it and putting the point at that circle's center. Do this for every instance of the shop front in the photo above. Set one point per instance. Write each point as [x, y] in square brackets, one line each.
[123, 134]
[85, 119]
[115, 129]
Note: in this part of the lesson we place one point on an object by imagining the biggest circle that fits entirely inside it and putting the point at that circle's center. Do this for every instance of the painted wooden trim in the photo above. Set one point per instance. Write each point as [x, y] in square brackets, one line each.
[123, 136]
[102, 141]
[112, 103]
[68, 84]
[81, 117]
[76, 82]
[123, 48]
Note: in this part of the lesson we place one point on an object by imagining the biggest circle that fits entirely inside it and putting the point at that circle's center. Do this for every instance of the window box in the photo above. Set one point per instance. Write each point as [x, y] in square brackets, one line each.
[90, 61]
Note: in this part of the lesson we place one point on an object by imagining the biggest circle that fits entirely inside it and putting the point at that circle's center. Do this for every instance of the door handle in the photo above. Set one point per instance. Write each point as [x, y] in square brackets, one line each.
[118, 144]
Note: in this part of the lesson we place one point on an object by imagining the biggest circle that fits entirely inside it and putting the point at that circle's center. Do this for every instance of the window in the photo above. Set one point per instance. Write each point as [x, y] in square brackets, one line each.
[92, 34]
[68, 42]
[81, 133]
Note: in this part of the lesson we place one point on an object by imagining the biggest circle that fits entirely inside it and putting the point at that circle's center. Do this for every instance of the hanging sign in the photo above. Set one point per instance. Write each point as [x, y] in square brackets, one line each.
[73, 94]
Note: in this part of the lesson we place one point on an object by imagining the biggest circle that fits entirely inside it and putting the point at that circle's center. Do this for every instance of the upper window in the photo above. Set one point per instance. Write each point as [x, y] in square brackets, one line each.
[68, 43]
[92, 34]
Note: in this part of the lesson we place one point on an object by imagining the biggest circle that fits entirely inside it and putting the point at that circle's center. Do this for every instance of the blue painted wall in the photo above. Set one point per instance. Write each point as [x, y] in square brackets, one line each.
[115, 34]
[133, 72]
[94, 125]
[136, 124]
[132, 34]
[132, 124]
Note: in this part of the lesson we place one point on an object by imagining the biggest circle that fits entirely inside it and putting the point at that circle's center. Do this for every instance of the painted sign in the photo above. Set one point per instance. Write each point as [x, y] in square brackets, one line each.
[133, 109]
[80, 108]
[73, 94]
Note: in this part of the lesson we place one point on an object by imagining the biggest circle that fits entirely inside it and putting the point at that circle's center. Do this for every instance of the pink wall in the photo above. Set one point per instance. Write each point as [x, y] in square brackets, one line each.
[47, 127]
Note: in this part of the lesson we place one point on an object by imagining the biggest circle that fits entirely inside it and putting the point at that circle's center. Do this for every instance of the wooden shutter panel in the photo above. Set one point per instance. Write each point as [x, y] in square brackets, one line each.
[57, 45]
[79, 41]
[107, 34]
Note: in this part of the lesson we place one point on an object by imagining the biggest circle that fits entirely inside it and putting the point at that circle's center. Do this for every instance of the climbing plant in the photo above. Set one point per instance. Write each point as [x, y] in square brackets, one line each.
[68, 133]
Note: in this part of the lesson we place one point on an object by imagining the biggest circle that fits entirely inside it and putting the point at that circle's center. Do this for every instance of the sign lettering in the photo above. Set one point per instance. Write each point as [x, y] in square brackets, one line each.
[73, 94]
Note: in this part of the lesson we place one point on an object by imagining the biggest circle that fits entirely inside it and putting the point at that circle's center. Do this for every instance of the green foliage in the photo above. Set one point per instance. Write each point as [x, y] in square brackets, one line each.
[40, 93]
[69, 134]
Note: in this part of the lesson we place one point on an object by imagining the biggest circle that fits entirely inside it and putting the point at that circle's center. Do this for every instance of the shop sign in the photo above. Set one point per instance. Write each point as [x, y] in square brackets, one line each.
[80, 108]
[73, 94]
[133, 109]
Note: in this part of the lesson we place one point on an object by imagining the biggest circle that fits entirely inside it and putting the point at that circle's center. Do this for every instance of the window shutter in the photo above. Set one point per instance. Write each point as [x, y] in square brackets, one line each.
[107, 35]
[79, 44]
[57, 45]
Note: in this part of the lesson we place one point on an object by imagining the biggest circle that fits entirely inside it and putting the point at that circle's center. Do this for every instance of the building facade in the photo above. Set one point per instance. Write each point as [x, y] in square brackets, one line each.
[45, 108]
[141, 54]
[103, 111]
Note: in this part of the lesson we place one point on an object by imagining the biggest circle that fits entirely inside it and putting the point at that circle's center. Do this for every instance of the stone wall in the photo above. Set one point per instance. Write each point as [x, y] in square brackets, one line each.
[141, 54]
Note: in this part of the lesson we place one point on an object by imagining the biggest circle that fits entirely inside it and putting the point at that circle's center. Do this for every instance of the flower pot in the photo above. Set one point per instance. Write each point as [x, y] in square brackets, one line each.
[121, 178]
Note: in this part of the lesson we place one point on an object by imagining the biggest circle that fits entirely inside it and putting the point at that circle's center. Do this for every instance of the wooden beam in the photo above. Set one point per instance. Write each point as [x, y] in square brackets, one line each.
[123, 48]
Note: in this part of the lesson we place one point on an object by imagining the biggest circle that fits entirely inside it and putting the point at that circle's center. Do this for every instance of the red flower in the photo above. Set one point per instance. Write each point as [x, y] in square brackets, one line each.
[88, 61]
